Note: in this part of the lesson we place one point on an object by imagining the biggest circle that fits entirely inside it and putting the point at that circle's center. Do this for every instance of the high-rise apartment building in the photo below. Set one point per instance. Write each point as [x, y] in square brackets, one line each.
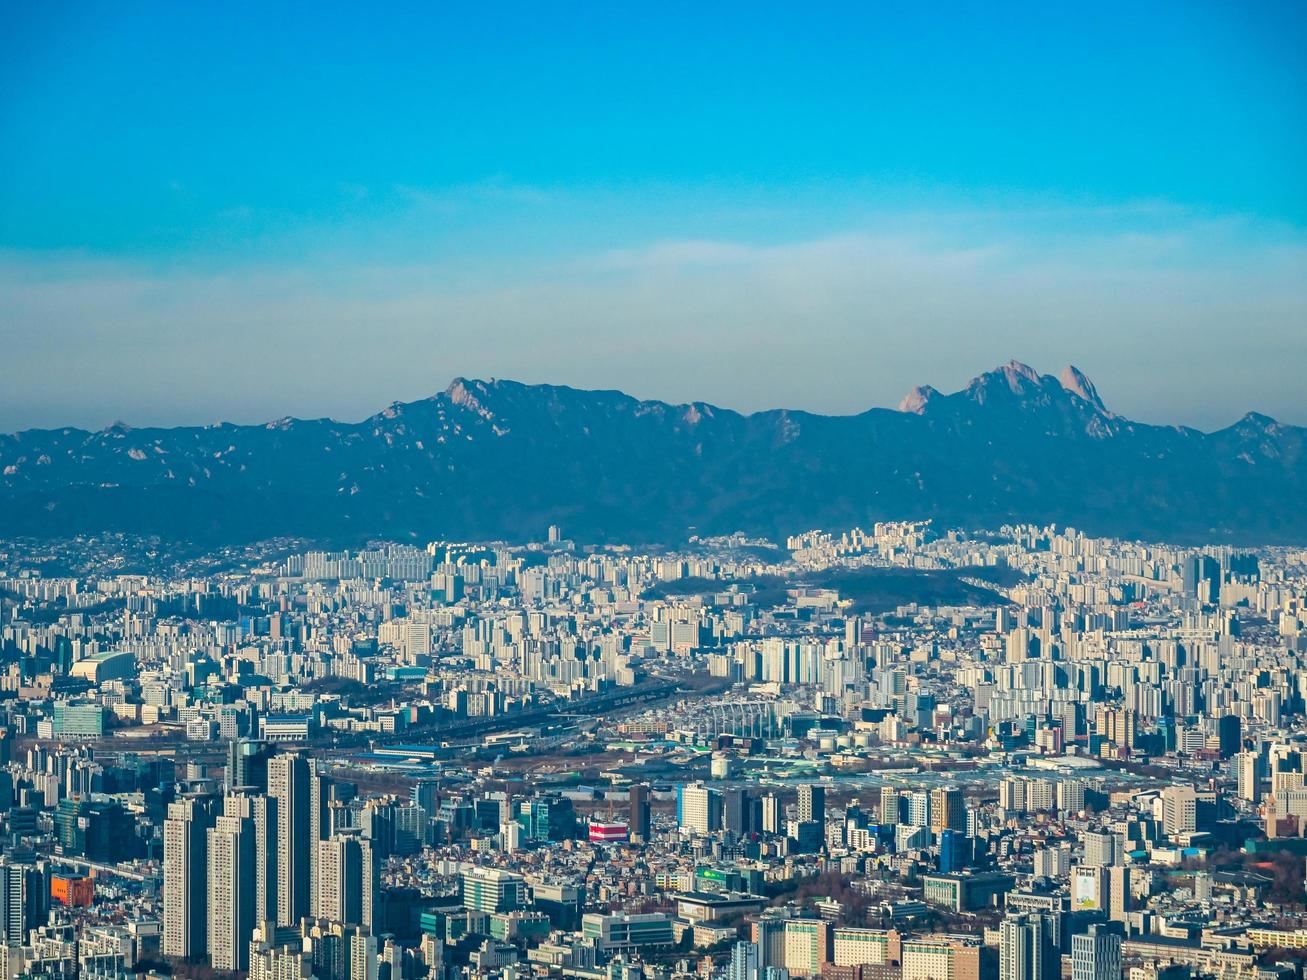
[288, 784]
[889, 806]
[232, 874]
[348, 880]
[319, 825]
[185, 879]
[261, 811]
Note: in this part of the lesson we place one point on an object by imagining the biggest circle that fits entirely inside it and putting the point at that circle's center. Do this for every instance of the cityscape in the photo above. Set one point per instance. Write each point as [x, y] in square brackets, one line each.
[737, 758]
[618, 491]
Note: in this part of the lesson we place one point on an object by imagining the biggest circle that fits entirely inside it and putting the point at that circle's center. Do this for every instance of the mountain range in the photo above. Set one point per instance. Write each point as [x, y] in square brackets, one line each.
[499, 459]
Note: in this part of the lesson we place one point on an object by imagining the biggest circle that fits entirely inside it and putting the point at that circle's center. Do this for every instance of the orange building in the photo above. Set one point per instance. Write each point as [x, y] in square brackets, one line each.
[72, 890]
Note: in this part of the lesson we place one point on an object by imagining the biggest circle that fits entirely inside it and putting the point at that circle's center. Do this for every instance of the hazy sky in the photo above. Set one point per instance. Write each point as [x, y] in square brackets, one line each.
[230, 212]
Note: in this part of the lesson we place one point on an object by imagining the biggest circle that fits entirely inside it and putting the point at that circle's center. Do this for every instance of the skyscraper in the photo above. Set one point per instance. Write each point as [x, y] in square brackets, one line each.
[812, 807]
[1248, 776]
[698, 808]
[232, 892]
[185, 879]
[640, 815]
[288, 784]
[261, 811]
[889, 806]
[1026, 950]
[247, 763]
[948, 810]
[319, 824]
[1096, 953]
[736, 810]
[348, 880]
[24, 900]
[1229, 732]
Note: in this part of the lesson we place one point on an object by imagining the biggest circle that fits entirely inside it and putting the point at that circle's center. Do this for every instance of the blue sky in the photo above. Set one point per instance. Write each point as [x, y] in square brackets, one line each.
[242, 211]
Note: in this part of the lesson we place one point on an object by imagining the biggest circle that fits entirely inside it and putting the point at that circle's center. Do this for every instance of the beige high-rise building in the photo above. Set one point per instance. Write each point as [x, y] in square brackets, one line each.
[185, 880]
[1250, 787]
[1179, 810]
[319, 825]
[936, 957]
[348, 880]
[232, 873]
[271, 960]
[1119, 897]
[261, 811]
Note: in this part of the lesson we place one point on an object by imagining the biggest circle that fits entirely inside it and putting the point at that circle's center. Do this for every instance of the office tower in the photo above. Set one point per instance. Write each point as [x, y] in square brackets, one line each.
[919, 809]
[771, 814]
[948, 810]
[1096, 953]
[735, 811]
[1026, 950]
[549, 817]
[1179, 810]
[889, 806]
[247, 763]
[698, 808]
[1102, 848]
[185, 879]
[812, 807]
[288, 784]
[1229, 732]
[261, 811]
[232, 891]
[744, 963]
[426, 794]
[1246, 772]
[641, 822]
[492, 890]
[320, 786]
[955, 850]
[348, 880]
[24, 900]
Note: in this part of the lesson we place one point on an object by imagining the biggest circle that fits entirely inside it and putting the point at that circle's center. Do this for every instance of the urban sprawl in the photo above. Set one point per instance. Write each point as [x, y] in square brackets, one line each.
[896, 753]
